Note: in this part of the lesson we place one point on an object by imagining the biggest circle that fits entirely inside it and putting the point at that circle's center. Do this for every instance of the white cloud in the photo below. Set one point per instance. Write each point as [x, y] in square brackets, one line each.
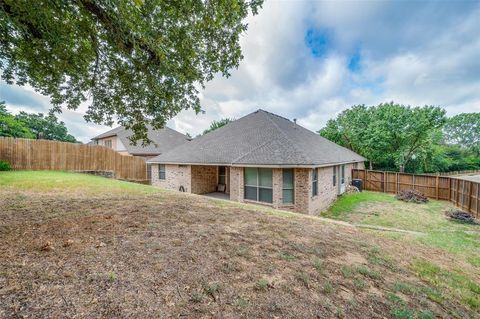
[410, 52]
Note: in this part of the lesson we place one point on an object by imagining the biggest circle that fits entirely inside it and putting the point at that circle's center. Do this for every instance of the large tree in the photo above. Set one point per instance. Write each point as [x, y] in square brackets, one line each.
[45, 127]
[136, 61]
[10, 126]
[464, 130]
[390, 135]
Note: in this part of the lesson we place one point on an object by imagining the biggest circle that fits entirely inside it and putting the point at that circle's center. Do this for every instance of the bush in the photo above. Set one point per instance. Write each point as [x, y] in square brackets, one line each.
[5, 166]
[412, 196]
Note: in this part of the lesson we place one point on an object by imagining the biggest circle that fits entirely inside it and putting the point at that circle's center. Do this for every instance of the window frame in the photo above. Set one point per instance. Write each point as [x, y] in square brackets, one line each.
[288, 189]
[342, 176]
[109, 141]
[314, 182]
[257, 186]
[160, 171]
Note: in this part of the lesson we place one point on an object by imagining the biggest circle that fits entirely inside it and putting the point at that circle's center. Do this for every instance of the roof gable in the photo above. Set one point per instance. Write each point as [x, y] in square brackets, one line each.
[164, 140]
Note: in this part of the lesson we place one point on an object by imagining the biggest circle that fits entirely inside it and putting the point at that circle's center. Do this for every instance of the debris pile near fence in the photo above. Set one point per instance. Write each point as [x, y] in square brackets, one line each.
[26, 154]
[464, 194]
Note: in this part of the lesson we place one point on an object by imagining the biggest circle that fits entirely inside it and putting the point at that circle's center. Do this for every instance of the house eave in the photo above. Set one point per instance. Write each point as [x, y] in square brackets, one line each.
[258, 165]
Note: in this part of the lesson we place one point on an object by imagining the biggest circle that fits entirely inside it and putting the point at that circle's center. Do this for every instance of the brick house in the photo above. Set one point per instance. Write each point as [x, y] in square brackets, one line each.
[260, 158]
[164, 140]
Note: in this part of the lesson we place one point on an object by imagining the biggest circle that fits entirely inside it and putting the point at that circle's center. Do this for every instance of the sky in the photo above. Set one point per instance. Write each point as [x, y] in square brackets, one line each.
[310, 60]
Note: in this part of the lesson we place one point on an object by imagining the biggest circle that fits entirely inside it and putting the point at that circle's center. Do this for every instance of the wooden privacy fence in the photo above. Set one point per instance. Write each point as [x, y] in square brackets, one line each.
[26, 154]
[464, 194]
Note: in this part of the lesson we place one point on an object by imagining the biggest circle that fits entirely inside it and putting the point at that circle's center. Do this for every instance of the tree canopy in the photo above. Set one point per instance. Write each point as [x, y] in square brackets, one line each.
[137, 62]
[217, 124]
[464, 130]
[45, 127]
[11, 126]
[390, 135]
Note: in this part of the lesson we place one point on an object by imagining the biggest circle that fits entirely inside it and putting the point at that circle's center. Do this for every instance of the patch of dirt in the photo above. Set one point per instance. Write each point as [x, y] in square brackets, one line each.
[176, 255]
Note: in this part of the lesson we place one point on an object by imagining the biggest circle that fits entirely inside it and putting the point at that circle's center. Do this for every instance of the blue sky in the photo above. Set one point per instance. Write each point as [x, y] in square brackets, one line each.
[310, 60]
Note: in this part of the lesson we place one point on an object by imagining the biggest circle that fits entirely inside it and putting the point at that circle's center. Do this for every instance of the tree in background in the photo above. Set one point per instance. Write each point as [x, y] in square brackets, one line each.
[464, 130]
[392, 136]
[138, 62]
[45, 127]
[217, 124]
[10, 126]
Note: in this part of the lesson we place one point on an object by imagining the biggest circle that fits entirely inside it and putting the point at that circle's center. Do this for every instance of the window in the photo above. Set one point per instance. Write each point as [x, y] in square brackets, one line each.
[149, 171]
[258, 184]
[161, 171]
[314, 182]
[355, 165]
[343, 175]
[287, 191]
[108, 143]
[222, 175]
[334, 176]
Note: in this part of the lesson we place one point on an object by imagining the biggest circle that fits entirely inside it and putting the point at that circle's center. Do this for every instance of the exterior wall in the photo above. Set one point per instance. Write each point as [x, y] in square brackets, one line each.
[301, 189]
[201, 179]
[327, 193]
[204, 179]
[236, 184]
[175, 176]
[110, 138]
[227, 179]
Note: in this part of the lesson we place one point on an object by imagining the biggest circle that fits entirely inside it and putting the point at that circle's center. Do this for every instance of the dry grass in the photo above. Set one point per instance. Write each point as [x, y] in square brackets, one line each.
[127, 253]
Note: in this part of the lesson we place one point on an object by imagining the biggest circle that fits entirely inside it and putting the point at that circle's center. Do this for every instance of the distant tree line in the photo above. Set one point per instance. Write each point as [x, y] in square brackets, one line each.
[411, 139]
[34, 126]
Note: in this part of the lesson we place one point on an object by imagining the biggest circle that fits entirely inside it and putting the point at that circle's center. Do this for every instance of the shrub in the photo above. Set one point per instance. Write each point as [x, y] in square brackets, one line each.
[412, 196]
[5, 166]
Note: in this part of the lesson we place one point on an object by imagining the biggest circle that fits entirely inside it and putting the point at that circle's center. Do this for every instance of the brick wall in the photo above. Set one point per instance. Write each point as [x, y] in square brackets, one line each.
[302, 190]
[175, 176]
[204, 179]
[327, 193]
[236, 184]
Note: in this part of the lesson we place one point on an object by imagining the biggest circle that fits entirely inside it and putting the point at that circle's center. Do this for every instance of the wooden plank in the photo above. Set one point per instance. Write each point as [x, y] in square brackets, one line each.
[470, 197]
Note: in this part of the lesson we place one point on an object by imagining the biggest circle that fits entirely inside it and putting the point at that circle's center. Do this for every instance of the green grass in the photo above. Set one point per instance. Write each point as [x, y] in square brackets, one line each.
[348, 203]
[54, 181]
[460, 240]
[456, 281]
[384, 210]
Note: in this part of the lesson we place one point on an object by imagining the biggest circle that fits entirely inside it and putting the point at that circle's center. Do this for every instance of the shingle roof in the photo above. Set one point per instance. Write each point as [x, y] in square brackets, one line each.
[259, 138]
[166, 140]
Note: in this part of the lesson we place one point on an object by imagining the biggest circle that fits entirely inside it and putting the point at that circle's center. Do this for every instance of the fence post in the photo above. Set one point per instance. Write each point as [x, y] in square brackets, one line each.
[436, 187]
[396, 183]
[470, 197]
[384, 181]
[458, 191]
[366, 179]
[478, 199]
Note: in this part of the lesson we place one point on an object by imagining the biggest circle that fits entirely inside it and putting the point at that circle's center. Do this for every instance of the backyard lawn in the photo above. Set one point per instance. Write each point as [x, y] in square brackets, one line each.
[74, 245]
[461, 240]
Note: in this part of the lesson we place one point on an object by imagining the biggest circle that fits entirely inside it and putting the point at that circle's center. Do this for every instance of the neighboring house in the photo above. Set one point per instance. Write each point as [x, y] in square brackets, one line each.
[260, 158]
[164, 140]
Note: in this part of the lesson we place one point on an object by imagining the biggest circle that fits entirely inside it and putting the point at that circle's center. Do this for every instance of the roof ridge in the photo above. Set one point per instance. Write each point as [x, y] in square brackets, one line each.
[249, 152]
[306, 158]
